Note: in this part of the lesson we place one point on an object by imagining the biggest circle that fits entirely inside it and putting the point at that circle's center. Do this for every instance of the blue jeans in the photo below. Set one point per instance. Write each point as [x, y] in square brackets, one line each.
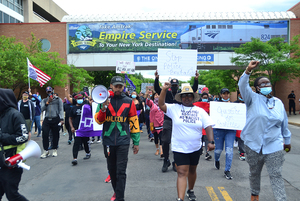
[37, 120]
[227, 136]
[141, 126]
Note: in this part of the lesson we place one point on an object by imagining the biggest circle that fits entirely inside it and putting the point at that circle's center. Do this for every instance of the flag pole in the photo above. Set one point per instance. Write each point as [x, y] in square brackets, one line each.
[28, 74]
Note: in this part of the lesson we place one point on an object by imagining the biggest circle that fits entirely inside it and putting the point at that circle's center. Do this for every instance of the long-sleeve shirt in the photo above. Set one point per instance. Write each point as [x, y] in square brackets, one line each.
[156, 116]
[266, 126]
[53, 109]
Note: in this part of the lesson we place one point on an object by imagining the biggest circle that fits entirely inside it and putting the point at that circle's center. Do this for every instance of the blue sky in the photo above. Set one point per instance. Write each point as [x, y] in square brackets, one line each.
[79, 7]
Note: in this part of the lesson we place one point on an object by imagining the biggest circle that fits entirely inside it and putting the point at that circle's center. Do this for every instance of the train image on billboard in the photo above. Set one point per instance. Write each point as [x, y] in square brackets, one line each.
[224, 36]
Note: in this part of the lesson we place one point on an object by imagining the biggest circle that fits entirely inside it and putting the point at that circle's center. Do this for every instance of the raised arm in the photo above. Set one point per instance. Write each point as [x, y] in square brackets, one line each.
[161, 100]
[156, 83]
[195, 85]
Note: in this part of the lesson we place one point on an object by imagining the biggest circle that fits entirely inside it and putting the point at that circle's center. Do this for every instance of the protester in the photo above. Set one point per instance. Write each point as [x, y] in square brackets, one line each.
[54, 118]
[226, 136]
[292, 104]
[13, 135]
[37, 117]
[74, 121]
[204, 104]
[26, 107]
[142, 115]
[265, 131]
[167, 127]
[238, 132]
[120, 122]
[67, 108]
[188, 121]
[156, 121]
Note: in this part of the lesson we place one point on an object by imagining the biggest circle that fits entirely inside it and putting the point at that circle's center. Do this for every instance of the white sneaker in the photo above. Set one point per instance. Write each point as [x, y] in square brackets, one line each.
[45, 154]
[99, 141]
[54, 154]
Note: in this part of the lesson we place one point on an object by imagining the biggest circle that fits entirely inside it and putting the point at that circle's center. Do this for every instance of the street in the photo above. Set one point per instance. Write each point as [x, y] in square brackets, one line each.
[55, 179]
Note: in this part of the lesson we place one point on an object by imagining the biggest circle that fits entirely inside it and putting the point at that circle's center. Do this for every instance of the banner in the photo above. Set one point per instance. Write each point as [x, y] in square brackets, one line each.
[173, 62]
[228, 115]
[203, 36]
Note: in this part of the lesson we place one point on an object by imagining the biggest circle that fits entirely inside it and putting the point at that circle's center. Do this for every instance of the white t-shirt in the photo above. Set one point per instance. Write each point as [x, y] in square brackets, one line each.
[187, 124]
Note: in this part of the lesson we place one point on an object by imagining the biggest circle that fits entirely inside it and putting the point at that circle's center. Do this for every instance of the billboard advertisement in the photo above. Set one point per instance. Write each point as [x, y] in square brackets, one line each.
[204, 36]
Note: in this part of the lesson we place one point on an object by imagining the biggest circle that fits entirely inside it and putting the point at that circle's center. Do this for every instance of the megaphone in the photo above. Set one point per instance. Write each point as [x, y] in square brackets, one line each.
[100, 94]
[31, 150]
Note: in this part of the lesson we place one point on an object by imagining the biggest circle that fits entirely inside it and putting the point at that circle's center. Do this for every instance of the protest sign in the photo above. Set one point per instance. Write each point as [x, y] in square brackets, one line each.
[177, 62]
[145, 86]
[125, 67]
[228, 115]
[96, 126]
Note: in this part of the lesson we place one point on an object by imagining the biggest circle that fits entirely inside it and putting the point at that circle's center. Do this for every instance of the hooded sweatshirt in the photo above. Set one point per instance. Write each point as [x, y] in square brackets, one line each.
[13, 131]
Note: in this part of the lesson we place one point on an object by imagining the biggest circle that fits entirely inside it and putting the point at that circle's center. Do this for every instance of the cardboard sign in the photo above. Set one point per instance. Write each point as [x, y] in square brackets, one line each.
[177, 62]
[228, 115]
[125, 67]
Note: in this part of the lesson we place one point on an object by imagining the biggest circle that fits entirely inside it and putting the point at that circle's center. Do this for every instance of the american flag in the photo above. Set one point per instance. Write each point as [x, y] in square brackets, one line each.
[37, 74]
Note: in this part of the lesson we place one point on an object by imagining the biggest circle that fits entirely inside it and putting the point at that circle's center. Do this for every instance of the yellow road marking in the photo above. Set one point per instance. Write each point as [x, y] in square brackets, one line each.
[212, 193]
[225, 194]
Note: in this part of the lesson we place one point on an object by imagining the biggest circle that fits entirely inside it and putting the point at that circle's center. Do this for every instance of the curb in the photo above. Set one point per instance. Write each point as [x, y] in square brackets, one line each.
[293, 123]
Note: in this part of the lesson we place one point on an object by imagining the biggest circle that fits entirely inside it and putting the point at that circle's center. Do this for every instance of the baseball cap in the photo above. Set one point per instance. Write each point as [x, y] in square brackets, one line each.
[49, 89]
[174, 81]
[117, 80]
[26, 92]
[224, 90]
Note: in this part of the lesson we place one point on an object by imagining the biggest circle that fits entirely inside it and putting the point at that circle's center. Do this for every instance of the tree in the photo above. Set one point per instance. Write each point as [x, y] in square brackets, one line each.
[274, 58]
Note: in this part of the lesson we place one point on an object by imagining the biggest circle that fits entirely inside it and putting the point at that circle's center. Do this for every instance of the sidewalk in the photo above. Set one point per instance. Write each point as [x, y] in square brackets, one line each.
[294, 119]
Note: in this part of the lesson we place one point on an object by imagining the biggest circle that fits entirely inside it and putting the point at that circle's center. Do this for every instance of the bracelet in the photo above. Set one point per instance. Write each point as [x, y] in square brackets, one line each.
[247, 71]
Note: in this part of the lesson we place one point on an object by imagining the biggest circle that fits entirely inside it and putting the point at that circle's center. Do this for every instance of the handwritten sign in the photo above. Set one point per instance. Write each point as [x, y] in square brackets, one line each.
[177, 62]
[96, 126]
[125, 67]
[145, 86]
[228, 115]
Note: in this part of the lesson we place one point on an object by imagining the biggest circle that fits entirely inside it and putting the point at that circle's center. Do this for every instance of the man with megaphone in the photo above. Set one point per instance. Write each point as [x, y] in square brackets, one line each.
[13, 135]
[120, 123]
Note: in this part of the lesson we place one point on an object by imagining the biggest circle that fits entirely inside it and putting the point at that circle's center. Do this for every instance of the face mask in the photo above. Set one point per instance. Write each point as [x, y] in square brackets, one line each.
[204, 100]
[174, 89]
[225, 100]
[150, 95]
[133, 96]
[241, 99]
[266, 90]
[80, 101]
[25, 97]
[33, 99]
[156, 101]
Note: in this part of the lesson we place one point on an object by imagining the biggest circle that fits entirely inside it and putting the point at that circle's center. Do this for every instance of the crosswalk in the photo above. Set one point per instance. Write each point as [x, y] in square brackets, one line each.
[214, 196]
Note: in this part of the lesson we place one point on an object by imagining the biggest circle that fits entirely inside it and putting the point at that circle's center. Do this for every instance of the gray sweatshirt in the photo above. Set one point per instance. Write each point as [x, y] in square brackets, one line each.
[54, 109]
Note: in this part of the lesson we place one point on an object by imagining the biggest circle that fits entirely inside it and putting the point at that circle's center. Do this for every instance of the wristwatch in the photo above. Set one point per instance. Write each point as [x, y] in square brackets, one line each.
[211, 142]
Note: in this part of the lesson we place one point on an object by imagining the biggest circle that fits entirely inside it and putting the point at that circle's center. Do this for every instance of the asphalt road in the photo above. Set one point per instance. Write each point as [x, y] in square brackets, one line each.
[55, 179]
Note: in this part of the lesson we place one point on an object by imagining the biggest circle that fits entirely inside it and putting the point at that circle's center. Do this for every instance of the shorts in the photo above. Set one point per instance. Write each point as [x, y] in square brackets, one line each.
[187, 159]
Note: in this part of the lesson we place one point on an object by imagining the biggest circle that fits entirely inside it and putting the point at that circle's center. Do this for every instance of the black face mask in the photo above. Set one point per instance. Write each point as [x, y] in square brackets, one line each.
[174, 89]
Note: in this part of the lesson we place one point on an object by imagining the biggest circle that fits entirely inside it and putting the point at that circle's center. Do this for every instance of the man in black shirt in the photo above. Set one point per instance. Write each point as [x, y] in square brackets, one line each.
[26, 107]
[292, 98]
[167, 127]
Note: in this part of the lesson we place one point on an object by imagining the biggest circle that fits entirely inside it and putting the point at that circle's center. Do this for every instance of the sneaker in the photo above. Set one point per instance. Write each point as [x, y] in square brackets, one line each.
[162, 156]
[39, 135]
[87, 156]
[165, 166]
[178, 199]
[107, 180]
[69, 141]
[99, 141]
[54, 154]
[207, 156]
[227, 175]
[113, 198]
[190, 194]
[174, 166]
[242, 157]
[45, 154]
[91, 142]
[74, 162]
[217, 165]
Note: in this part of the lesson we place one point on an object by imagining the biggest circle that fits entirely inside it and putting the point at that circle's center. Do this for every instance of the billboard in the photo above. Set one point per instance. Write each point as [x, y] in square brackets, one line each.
[204, 36]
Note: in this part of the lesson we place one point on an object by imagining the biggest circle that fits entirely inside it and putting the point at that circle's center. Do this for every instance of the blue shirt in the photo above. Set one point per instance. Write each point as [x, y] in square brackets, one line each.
[266, 129]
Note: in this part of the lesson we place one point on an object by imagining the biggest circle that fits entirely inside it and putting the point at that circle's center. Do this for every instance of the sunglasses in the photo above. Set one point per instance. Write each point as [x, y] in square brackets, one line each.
[265, 84]
[187, 95]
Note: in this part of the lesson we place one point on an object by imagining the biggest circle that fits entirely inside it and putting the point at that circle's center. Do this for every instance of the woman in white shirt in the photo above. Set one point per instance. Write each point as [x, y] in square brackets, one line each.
[188, 121]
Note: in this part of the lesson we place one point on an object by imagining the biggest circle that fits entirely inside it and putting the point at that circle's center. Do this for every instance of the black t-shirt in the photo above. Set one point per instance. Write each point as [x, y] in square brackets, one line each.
[292, 96]
[76, 114]
[24, 109]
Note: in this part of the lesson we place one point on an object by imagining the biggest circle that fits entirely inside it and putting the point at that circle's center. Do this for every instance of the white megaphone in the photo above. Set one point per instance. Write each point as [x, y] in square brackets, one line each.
[31, 150]
[100, 94]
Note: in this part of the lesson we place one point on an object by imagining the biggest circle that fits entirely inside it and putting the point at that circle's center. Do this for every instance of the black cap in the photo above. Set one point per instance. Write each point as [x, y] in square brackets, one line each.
[224, 90]
[117, 80]
[26, 92]
[174, 81]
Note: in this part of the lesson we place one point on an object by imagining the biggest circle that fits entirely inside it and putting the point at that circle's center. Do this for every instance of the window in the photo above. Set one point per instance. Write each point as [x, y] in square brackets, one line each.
[221, 26]
[207, 26]
[266, 26]
[5, 18]
[46, 45]
[12, 20]
[229, 27]
[213, 26]
[1, 16]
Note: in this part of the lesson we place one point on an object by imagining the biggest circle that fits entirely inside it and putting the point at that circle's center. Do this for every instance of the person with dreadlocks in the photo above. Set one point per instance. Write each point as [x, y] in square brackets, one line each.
[265, 134]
